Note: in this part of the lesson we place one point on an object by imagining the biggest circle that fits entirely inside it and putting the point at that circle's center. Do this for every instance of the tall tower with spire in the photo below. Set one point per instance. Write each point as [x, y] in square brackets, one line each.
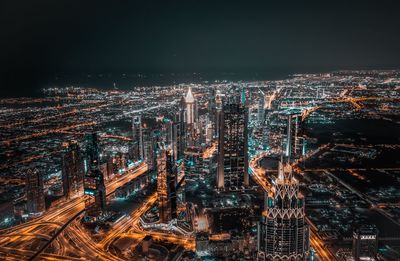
[191, 117]
[283, 233]
[190, 107]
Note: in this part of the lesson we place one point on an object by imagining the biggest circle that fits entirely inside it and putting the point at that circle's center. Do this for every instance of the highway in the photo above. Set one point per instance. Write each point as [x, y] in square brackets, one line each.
[53, 219]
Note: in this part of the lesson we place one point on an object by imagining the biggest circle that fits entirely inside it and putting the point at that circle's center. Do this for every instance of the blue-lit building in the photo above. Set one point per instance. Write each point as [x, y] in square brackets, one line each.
[94, 181]
[233, 144]
[166, 184]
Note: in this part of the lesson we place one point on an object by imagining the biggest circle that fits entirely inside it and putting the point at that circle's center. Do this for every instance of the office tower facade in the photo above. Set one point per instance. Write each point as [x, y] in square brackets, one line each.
[204, 130]
[71, 169]
[137, 130]
[94, 181]
[149, 142]
[211, 105]
[261, 109]
[219, 99]
[232, 146]
[293, 146]
[365, 243]
[179, 124]
[181, 117]
[283, 233]
[34, 192]
[175, 136]
[166, 184]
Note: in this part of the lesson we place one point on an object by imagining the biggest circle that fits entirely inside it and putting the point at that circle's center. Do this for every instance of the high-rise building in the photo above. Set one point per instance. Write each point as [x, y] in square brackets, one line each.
[71, 169]
[211, 105]
[204, 130]
[219, 99]
[149, 142]
[283, 233]
[181, 118]
[293, 146]
[365, 243]
[190, 107]
[190, 117]
[94, 181]
[175, 136]
[137, 130]
[166, 184]
[261, 109]
[232, 146]
[34, 192]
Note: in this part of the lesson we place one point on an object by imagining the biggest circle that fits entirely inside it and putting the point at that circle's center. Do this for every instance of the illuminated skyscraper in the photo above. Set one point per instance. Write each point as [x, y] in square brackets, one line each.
[261, 110]
[233, 145]
[293, 146]
[190, 118]
[211, 102]
[190, 107]
[283, 233]
[72, 169]
[175, 137]
[181, 118]
[219, 98]
[94, 180]
[365, 243]
[34, 192]
[179, 123]
[137, 130]
[166, 184]
[149, 147]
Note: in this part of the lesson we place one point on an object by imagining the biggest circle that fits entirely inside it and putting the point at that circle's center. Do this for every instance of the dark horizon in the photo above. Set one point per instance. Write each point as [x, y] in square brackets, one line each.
[46, 39]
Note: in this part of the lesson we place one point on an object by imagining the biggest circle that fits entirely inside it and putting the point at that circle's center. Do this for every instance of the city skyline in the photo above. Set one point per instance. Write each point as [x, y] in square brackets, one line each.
[258, 170]
[200, 130]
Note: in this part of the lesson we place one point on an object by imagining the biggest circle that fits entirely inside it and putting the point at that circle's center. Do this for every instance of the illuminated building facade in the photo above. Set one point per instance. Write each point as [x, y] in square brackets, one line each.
[149, 142]
[34, 192]
[175, 135]
[260, 109]
[219, 99]
[137, 130]
[181, 119]
[71, 169]
[190, 107]
[166, 184]
[94, 181]
[365, 243]
[294, 140]
[283, 233]
[233, 146]
[190, 117]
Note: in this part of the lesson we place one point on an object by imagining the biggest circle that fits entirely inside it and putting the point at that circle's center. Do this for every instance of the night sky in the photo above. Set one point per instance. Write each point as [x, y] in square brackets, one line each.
[44, 39]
